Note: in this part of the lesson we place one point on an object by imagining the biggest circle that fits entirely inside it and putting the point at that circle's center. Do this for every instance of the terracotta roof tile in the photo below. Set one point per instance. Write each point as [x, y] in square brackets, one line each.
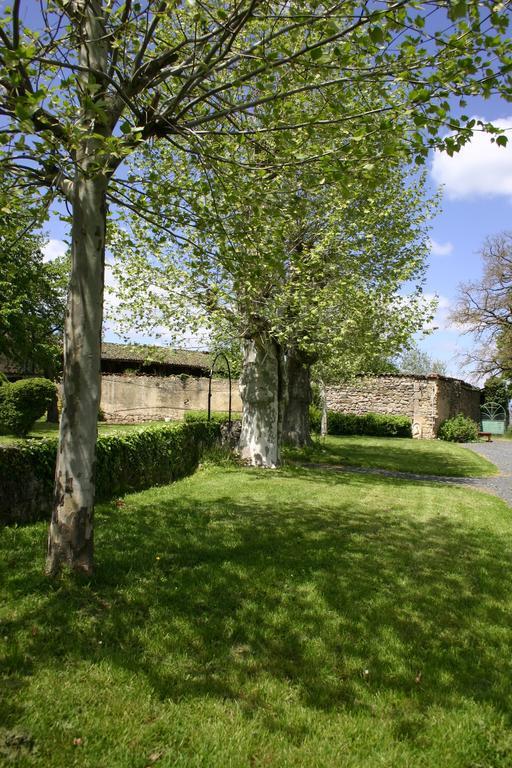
[140, 353]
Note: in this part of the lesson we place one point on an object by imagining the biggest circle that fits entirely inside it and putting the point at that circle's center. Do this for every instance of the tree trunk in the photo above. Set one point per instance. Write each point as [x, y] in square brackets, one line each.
[262, 391]
[70, 538]
[52, 412]
[296, 430]
[323, 398]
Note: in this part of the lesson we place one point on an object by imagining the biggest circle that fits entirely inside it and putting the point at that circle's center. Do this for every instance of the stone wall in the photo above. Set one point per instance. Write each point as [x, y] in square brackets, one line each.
[455, 396]
[426, 400]
[147, 398]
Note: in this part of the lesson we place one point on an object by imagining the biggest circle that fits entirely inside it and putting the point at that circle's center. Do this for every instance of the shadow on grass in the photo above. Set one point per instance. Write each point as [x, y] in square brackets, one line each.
[207, 596]
[397, 454]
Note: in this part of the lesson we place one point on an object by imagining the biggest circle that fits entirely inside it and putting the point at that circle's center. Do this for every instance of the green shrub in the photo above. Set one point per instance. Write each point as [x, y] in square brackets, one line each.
[3, 379]
[153, 456]
[22, 403]
[131, 461]
[220, 417]
[371, 424]
[458, 429]
[315, 419]
[27, 472]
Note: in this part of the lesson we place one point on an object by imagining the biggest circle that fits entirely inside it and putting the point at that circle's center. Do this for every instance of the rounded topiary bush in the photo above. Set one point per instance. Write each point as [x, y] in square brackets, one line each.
[22, 403]
[458, 429]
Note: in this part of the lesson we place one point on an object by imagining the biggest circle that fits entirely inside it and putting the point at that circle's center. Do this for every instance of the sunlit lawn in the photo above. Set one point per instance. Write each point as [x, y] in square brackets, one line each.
[246, 618]
[426, 457]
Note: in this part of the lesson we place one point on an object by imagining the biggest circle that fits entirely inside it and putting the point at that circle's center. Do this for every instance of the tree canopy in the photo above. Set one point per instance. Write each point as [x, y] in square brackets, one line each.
[191, 71]
[32, 291]
[317, 263]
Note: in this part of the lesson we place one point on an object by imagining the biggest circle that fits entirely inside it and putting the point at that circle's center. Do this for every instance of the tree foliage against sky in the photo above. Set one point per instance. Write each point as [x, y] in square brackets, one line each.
[484, 308]
[415, 361]
[190, 71]
[32, 292]
[316, 263]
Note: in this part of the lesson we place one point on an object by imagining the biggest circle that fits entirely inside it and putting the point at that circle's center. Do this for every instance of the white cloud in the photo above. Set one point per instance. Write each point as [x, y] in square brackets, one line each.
[53, 249]
[480, 169]
[440, 249]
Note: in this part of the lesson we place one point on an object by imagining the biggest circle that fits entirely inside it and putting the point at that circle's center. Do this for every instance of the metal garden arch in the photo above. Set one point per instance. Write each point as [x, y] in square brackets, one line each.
[219, 354]
[493, 418]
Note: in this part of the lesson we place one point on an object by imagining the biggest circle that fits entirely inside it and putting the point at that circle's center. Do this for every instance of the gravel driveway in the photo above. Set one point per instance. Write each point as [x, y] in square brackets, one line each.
[500, 453]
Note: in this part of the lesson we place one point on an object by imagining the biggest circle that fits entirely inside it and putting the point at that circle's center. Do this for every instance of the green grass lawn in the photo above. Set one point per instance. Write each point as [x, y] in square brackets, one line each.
[43, 429]
[243, 619]
[426, 457]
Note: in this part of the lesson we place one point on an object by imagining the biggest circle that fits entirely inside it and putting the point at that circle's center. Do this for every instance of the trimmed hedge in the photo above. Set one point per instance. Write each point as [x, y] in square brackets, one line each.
[370, 424]
[22, 403]
[127, 462]
[458, 429]
[219, 416]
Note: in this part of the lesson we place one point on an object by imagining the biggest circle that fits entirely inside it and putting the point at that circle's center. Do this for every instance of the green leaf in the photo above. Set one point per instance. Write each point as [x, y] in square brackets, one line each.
[457, 9]
[376, 34]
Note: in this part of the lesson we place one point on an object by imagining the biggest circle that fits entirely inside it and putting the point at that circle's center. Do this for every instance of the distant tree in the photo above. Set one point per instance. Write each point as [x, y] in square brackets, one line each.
[484, 308]
[416, 361]
[32, 291]
[498, 389]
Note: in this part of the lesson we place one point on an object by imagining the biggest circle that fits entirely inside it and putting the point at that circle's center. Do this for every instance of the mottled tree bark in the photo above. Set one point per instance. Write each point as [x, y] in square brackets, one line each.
[70, 538]
[262, 391]
[296, 429]
[323, 398]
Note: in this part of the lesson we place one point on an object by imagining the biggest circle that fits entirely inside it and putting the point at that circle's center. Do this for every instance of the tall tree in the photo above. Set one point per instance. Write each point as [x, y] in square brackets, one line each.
[84, 82]
[32, 291]
[484, 309]
[311, 271]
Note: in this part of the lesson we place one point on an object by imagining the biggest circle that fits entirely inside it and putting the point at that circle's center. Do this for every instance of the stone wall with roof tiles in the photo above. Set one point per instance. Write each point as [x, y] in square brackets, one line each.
[425, 400]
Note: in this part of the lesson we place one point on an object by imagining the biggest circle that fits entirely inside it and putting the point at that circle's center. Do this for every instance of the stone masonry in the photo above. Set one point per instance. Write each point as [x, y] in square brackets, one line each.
[426, 400]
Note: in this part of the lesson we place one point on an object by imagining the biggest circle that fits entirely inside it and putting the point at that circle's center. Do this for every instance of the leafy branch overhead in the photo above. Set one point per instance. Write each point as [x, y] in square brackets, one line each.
[191, 71]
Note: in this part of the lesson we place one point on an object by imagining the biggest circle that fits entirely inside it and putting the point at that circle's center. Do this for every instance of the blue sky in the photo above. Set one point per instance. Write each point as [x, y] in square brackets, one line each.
[477, 202]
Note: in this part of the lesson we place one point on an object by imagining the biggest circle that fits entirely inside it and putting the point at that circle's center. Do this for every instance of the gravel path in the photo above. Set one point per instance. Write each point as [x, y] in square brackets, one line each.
[499, 452]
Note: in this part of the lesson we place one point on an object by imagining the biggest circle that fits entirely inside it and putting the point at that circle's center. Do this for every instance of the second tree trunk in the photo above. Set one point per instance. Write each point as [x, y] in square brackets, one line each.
[296, 429]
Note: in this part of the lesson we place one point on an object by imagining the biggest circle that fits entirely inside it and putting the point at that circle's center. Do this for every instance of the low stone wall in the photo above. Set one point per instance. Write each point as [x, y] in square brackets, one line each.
[127, 399]
[426, 400]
